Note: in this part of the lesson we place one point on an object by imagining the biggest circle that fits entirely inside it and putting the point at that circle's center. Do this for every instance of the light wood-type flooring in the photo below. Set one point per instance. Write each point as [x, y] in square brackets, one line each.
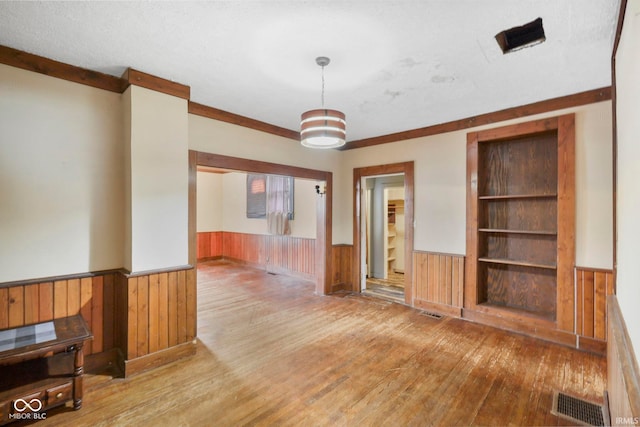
[270, 352]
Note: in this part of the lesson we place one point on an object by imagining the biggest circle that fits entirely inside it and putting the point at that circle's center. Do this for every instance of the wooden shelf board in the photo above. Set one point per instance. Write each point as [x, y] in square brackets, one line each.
[518, 263]
[533, 232]
[547, 317]
[519, 196]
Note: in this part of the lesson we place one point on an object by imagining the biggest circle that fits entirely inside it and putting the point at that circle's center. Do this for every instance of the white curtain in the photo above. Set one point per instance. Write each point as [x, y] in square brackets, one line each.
[278, 199]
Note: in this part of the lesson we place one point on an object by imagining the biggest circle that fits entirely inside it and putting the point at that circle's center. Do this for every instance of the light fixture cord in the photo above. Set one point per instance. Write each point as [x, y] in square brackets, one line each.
[322, 96]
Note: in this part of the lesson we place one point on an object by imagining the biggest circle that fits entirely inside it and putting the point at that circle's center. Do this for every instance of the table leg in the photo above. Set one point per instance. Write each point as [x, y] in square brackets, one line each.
[78, 370]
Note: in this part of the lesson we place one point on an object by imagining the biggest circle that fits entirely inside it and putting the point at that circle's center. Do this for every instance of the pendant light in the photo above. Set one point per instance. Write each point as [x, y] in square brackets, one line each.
[322, 128]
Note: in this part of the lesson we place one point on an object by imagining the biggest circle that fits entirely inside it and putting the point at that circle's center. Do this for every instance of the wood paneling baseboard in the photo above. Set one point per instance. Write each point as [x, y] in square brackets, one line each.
[91, 296]
[290, 255]
[623, 376]
[209, 245]
[438, 282]
[293, 256]
[341, 276]
[160, 312]
[592, 288]
[159, 358]
[140, 313]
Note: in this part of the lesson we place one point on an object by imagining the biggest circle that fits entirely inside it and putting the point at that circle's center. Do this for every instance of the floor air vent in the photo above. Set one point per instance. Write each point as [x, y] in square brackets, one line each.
[432, 315]
[577, 410]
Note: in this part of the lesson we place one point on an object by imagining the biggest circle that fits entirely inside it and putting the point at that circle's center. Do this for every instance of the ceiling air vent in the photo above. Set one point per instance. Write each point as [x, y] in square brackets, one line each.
[517, 38]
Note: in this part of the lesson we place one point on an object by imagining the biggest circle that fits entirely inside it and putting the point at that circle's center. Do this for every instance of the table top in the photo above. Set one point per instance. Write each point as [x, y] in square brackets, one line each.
[67, 331]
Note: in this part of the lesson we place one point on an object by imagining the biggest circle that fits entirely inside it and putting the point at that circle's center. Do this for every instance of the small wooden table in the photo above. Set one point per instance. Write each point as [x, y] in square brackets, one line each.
[44, 369]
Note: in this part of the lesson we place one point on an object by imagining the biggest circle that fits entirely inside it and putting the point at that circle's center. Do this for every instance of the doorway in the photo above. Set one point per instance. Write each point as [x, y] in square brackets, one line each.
[323, 265]
[383, 237]
[387, 189]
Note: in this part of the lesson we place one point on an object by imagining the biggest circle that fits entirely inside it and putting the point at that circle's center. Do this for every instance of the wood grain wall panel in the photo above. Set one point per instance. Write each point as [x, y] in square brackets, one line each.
[31, 304]
[172, 309]
[131, 319]
[244, 247]
[82, 304]
[623, 374]
[154, 309]
[285, 254]
[277, 254]
[91, 296]
[342, 274]
[16, 306]
[592, 288]
[182, 309]
[191, 278]
[45, 298]
[142, 316]
[59, 299]
[209, 245]
[4, 308]
[438, 281]
[163, 311]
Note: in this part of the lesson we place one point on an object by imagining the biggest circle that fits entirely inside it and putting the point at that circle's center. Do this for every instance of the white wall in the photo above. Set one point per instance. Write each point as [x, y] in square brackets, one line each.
[213, 136]
[158, 180]
[628, 167]
[234, 207]
[209, 201]
[63, 193]
[61, 177]
[440, 185]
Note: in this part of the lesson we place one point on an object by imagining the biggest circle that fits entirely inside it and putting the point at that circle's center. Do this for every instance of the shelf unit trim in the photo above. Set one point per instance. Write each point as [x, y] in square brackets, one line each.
[519, 196]
[517, 263]
[506, 230]
[563, 321]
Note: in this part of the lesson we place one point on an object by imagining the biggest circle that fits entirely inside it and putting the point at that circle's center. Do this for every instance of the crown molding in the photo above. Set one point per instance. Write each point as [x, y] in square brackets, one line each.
[39, 64]
[49, 67]
[582, 98]
[225, 116]
[158, 84]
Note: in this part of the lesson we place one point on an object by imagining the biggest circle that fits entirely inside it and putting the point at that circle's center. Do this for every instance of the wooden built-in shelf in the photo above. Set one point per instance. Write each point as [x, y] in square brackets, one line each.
[521, 227]
[532, 232]
[519, 312]
[519, 263]
[519, 196]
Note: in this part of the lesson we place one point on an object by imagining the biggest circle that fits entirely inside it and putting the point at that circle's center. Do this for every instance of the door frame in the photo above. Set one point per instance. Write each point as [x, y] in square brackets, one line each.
[406, 168]
[323, 248]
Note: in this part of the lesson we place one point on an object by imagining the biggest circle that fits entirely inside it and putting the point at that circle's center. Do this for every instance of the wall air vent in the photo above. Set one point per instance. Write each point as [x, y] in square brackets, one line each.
[518, 38]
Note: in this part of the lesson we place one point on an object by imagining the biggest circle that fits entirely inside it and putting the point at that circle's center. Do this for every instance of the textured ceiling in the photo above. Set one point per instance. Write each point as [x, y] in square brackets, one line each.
[395, 65]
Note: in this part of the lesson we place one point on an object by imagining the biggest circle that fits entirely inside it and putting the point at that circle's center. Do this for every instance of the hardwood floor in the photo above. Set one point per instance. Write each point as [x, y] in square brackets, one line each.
[270, 352]
[386, 292]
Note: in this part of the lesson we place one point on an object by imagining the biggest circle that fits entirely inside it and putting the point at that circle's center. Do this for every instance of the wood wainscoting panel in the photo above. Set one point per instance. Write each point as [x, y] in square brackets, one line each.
[92, 296]
[623, 374]
[342, 275]
[290, 255]
[245, 248]
[438, 282]
[295, 256]
[209, 245]
[592, 288]
[160, 312]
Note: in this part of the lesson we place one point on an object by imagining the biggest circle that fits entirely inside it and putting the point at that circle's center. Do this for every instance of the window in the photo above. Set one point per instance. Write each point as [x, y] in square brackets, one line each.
[258, 189]
[256, 196]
